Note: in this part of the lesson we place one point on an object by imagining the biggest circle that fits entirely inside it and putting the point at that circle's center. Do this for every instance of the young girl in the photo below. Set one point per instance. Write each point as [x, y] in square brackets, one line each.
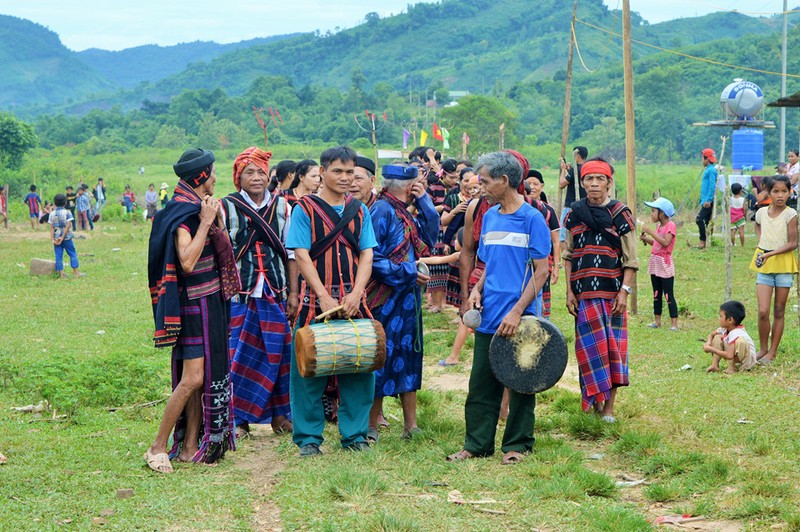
[737, 213]
[775, 261]
[661, 267]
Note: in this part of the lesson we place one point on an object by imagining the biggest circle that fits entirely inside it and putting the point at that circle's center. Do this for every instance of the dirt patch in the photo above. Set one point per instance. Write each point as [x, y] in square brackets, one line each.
[257, 455]
[446, 382]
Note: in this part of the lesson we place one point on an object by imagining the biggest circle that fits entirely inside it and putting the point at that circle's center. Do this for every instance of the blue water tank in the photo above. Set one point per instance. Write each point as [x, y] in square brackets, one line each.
[748, 149]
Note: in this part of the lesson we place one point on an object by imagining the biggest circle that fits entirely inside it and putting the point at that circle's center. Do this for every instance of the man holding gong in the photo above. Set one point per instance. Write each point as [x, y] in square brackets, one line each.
[514, 245]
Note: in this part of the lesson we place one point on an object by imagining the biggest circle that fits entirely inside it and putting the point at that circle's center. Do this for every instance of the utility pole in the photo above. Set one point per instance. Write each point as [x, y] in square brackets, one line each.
[568, 103]
[782, 156]
[630, 128]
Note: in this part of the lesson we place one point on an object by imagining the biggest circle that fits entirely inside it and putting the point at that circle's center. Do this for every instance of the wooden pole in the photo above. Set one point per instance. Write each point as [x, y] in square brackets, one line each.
[630, 128]
[726, 218]
[567, 102]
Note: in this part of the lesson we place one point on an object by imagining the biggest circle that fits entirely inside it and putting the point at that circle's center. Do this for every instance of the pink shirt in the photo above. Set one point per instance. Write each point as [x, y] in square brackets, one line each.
[661, 264]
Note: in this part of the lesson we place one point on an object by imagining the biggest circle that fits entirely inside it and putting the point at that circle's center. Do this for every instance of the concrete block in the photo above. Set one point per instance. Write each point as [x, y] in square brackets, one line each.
[43, 267]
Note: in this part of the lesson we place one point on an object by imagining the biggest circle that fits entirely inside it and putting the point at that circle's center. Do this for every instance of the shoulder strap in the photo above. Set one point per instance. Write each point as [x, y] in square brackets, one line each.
[351, 209]
[262, 227]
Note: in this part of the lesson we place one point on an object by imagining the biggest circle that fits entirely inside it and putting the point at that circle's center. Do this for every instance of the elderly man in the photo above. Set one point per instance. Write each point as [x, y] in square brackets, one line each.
[599, 263]
[261, 339]
[514, 244]
[394, 294]
[363, 188]
[192, 275]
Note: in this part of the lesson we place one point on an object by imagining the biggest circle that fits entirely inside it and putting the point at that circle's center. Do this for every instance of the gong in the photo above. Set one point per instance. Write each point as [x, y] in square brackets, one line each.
[531, 361]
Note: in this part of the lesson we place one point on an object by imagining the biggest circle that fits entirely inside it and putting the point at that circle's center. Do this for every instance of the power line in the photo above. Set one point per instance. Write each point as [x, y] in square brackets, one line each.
[688, 56]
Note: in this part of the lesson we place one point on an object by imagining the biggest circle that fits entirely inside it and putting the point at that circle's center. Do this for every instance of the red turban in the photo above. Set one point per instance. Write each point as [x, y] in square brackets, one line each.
[252, 155]
[596, 167]
[526, 166]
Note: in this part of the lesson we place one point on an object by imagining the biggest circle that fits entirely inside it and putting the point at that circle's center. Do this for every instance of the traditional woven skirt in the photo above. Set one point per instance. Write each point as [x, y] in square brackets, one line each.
[601, 347]
[204, 327]
[438, 281]
[454, 286]
[260, 349]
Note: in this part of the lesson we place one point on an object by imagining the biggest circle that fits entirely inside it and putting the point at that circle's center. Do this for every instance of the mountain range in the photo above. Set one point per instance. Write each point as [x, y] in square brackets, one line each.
[480, 46]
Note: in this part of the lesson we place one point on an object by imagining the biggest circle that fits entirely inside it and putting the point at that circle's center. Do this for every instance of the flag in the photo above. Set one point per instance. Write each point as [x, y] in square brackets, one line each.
[445, 139]
[406, 135]
[437, 132]
[465, 138]
[423, 136]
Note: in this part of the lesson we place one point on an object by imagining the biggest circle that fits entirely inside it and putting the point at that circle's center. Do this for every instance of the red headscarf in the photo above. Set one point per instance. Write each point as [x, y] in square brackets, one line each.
[526, 166]
[252, 155]
[596, 167]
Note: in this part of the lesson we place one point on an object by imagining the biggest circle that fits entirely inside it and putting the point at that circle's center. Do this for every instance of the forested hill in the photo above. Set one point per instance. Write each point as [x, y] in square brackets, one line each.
[129, 67]
[470, 45]
[39, 72]
[37, 69]
[476, 45]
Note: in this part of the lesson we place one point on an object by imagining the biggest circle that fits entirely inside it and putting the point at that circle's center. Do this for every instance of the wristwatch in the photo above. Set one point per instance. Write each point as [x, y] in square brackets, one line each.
[627, 288]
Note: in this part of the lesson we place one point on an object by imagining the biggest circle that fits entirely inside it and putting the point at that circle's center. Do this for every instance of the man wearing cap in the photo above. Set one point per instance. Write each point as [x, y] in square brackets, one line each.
[364, 181]
[394, 294]
[707, 189]
[599, 264]
[192, 275]
[261, 339]
[514, 245]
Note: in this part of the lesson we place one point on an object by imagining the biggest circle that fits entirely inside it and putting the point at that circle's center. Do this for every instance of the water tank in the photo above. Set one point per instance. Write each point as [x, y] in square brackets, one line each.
[748, 149]
[741, 99]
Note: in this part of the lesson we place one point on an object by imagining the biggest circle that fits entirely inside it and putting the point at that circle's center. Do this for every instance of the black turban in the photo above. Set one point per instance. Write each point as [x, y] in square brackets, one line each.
[194, 166]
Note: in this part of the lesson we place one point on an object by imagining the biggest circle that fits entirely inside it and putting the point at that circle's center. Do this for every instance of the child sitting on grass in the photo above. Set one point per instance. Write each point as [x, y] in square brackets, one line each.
[61, 233]
[731, 341]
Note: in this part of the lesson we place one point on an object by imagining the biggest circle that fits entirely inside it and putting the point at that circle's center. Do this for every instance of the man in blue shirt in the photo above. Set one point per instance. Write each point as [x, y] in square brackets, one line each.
[514, 245]
[707, 189]
[332, 237]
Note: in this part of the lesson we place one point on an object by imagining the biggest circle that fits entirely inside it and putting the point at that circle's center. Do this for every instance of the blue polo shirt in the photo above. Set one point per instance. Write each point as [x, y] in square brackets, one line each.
[508, 243]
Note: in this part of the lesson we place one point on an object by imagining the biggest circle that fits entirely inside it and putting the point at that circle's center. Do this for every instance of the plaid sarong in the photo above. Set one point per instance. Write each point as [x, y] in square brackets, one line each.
[260, 348]
[601, 347]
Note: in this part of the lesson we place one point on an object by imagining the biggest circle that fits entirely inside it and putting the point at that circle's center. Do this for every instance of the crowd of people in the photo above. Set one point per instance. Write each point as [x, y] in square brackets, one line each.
[301, 240]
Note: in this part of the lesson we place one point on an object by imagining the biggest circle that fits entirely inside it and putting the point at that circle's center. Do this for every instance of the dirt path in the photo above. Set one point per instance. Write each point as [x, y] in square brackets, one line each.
[257, 456]
[446, 381]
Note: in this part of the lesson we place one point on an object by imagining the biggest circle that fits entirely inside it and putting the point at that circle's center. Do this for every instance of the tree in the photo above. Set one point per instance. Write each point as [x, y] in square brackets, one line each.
[16, 139]
[480, 117]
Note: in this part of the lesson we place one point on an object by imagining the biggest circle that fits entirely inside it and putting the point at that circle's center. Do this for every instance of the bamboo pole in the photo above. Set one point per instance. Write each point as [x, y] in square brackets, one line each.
[726, 218]
[630, 128]
[567, 103]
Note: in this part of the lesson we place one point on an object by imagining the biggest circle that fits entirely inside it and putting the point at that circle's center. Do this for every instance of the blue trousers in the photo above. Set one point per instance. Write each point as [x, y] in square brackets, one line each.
[356, 394]
[69, 247]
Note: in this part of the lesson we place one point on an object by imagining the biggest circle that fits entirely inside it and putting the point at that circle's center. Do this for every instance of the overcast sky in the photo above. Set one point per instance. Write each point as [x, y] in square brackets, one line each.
[117, 24]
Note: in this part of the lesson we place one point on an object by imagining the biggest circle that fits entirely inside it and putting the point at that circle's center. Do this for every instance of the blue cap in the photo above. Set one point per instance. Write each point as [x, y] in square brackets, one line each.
[396, 171]
[664, 204]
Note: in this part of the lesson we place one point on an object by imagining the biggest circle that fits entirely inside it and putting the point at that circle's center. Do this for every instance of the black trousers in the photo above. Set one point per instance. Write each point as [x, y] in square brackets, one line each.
[663, 288]
[703, 217]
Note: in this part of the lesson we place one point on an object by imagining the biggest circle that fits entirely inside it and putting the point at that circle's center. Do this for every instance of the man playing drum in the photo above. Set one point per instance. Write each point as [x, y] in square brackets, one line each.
[514, 245]
[261, 339]
[600, 262]
[394, 294]
[332, 238]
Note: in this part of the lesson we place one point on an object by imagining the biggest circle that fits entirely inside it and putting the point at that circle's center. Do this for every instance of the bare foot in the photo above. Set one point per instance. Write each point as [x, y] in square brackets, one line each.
[186, 456]
[597, 407]
[712, 368]
[730, 370]
[760, 354]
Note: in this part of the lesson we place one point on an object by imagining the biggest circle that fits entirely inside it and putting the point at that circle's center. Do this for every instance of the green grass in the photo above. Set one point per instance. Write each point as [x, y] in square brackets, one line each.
[677, 429]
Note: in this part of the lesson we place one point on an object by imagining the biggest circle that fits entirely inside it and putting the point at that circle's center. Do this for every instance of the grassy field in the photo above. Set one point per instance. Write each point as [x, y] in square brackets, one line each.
[724, 447]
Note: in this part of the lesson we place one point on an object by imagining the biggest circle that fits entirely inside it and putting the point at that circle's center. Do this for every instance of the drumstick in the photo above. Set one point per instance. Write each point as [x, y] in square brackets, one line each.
[327, 313]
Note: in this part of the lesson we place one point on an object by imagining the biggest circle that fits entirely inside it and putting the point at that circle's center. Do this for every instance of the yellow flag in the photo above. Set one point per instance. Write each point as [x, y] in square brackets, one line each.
[423, 136]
